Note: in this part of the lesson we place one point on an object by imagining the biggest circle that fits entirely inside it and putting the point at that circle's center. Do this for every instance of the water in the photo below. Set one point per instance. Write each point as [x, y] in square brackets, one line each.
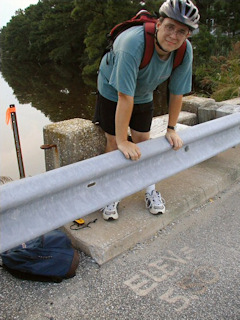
[30, 124]
[42, 95]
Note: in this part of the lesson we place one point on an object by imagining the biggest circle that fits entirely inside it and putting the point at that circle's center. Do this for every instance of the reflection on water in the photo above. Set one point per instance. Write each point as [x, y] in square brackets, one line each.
[30, 124]
[58, 92]
[44, 94]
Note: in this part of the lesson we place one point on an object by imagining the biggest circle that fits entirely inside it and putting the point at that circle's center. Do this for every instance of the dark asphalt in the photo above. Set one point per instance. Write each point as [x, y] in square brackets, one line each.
[189, 270]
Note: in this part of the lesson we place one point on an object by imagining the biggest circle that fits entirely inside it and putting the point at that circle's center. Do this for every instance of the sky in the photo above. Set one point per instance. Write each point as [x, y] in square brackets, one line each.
[9, 7]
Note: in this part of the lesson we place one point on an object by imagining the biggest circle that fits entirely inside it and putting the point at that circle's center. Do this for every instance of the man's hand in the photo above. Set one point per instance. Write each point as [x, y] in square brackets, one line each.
[130, 150]
[174, 139]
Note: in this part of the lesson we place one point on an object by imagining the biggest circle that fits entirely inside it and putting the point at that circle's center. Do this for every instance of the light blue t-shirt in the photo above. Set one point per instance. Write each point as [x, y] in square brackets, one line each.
[119, 70]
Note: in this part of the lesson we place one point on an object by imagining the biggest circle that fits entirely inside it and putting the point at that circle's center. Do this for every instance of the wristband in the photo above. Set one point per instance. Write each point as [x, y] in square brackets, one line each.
[171, 127]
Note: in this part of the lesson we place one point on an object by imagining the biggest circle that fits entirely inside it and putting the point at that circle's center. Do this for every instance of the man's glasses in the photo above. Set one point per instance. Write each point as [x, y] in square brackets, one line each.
[171, 28]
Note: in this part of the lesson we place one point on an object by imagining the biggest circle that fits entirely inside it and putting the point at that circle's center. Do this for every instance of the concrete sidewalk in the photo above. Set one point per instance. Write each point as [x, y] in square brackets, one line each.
[105, 240]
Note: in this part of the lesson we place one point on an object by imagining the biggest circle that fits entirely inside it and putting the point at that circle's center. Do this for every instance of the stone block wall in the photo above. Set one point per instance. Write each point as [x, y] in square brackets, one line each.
[208, 109]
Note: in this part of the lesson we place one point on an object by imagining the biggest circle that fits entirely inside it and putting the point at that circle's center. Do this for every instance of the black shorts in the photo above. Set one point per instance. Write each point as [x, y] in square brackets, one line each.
[140, 121]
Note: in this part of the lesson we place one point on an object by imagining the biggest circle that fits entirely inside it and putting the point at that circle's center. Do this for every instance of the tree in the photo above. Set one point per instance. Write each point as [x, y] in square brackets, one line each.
[226, 16]
[74, 31]
[216, 38]
[63, 34]
[13, 44]
[44, 32]
[101, 17]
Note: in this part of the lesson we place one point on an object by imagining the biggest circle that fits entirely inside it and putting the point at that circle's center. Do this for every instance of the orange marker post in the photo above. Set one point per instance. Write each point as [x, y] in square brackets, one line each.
[11, 114]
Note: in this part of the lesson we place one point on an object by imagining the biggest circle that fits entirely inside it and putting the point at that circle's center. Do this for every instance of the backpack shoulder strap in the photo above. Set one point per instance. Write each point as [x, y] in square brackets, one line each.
[179, 55]
[143, 17]
[139, 19]
[149, 30]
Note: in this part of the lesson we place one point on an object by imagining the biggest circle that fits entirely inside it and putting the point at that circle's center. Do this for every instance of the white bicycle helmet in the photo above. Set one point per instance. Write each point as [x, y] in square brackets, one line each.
[183, 11]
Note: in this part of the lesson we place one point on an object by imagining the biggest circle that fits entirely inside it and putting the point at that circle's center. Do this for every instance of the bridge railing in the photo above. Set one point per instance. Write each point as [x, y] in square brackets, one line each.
[35, 205]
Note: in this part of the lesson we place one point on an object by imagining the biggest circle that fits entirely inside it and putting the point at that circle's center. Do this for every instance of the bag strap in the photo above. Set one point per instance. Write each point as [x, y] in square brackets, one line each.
[179, 55]
[149, 29]
[139, 19]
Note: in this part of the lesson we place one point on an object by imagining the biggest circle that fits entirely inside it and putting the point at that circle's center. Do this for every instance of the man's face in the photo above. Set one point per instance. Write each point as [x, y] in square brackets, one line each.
[171, 34]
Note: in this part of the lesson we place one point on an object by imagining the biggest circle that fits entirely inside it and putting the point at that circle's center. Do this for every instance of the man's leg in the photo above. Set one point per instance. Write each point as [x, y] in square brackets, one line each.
[139, 136]
[110, 211]
[105, 117]
[111, 144]
[154, 201]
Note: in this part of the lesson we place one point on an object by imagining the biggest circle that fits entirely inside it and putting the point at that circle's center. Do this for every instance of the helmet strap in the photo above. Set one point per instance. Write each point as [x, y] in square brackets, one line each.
[157, 42]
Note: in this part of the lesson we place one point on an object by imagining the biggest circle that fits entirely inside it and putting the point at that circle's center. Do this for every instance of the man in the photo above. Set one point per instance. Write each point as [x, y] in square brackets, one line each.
[126, 92]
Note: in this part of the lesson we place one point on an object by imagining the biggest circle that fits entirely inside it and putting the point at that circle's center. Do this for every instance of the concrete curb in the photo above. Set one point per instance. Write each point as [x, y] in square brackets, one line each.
[105, 240]
[182, 192]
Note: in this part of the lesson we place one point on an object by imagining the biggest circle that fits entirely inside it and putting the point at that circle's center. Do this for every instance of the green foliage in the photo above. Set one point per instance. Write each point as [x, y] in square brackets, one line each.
[219, 25]
[103, 15]
[222, 15]
[219, 30]
[12, 39]
[62, 32]
[220, 77]
[44, 32]
[74, 32]
[227, 85]
[203, 45]
[66, 31]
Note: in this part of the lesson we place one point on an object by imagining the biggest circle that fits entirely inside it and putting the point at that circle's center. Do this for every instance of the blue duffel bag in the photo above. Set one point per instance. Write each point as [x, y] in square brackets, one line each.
[49, 257]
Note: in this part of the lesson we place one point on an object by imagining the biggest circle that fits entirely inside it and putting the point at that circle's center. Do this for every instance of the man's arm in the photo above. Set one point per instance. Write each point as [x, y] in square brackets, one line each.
[123, 116]
[175, 105]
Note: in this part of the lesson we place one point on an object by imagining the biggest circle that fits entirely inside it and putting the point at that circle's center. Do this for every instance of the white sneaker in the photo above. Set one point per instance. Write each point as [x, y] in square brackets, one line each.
[110, 211]
[155, 203]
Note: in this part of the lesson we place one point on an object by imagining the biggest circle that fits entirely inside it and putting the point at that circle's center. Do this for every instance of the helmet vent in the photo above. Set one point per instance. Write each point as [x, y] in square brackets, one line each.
[180, 6]
[183, 11]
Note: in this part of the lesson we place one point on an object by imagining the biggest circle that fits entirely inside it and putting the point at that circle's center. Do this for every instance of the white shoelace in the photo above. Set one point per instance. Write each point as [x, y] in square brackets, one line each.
[111, 206]
[155, 196]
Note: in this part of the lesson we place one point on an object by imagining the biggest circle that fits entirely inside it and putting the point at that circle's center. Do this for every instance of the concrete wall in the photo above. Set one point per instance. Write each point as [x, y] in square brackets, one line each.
[74, 140]
[208, 109]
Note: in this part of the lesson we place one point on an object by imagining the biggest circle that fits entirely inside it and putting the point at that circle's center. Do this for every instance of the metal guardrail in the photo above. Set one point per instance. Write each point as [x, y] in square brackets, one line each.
[35, 205]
